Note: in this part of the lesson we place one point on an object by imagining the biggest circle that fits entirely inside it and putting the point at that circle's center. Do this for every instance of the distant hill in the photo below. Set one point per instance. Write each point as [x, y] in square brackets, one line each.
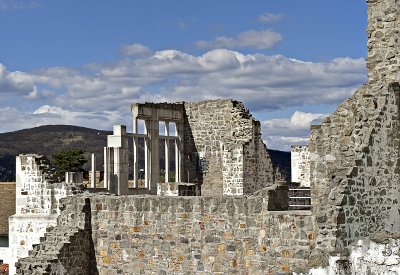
[47, 140]
[283, 160]
[50, 139]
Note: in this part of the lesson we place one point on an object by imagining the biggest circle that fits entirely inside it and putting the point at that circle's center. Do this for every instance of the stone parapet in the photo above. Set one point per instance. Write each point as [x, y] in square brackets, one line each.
[179, 235]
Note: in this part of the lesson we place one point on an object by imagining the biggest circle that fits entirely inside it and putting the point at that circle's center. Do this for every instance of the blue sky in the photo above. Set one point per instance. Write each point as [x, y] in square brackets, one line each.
[84, 62]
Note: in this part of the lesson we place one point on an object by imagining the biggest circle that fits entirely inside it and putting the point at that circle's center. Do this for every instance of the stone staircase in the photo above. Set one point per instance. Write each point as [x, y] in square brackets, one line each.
[48, 251]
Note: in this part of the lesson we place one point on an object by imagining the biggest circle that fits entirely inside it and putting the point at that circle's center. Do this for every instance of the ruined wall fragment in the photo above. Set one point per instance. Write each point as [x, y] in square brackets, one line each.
[383, 60]
[67, 248]
[224, 135]
[355, 152]
[37, 203]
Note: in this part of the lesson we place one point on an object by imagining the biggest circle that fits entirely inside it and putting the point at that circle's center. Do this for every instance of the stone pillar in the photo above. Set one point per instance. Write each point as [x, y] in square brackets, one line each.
[135, 153]
[107, 167]
[166, 146]
[93, 179]
[154, 160]
[116, 157]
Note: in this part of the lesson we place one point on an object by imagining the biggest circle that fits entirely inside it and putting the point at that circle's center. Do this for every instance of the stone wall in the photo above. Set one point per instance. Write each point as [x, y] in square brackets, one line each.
[7, 205]
[64, 249]
[37, 203]
[185, 235]
[223, 145]
[355, 162]
[383, 60]
[355, 153]
[378, 255]
[259, 171]
[300, 163]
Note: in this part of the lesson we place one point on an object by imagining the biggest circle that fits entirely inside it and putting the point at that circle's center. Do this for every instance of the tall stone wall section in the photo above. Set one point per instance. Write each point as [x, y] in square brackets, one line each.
[383, 60]
[355, 162]
[355, 153]
[226, 138]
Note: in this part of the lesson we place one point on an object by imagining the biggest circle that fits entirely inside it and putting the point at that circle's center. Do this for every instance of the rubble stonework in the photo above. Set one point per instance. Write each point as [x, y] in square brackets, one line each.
[355, 168]
[383, 29]
[217, 143]
[37, 203]
[185, 235]
[353, 228]
[224, 135]
[355, 152]
[67, 248]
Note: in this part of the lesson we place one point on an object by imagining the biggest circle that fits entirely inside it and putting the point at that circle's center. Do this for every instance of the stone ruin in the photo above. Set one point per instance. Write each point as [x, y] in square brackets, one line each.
[240, 223]
[216, 147]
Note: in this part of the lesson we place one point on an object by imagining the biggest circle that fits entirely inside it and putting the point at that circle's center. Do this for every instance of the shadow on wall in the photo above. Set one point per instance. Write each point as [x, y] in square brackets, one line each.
[81, 248]
[191, 173]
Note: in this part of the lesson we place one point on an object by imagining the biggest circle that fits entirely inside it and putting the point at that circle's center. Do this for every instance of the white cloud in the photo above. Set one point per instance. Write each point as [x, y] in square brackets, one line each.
[297, 125]
[55, 115]
[182, 25]
[284, 143]
[269, 17]
[283, 132]
[6, 5]
[135, 50]
[264, 39]
[101, 94]
[33, 94]
[14, 83]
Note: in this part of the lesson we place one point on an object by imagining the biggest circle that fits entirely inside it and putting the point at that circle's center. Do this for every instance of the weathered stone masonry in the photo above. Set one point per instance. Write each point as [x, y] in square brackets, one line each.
[218, 147]
[186, 235]
[228, 138]
[37, 203]
[355, 153]
[354, 224]
[383, 60]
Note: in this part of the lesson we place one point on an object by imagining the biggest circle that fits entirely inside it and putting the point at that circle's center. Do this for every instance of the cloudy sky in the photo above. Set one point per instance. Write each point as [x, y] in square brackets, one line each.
[84, 62]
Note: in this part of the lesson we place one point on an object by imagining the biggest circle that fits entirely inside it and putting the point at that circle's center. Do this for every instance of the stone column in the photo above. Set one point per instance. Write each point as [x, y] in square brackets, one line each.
[93, 179]
[117, 159]
[135, 153]
[166, 145]
[153, 134]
